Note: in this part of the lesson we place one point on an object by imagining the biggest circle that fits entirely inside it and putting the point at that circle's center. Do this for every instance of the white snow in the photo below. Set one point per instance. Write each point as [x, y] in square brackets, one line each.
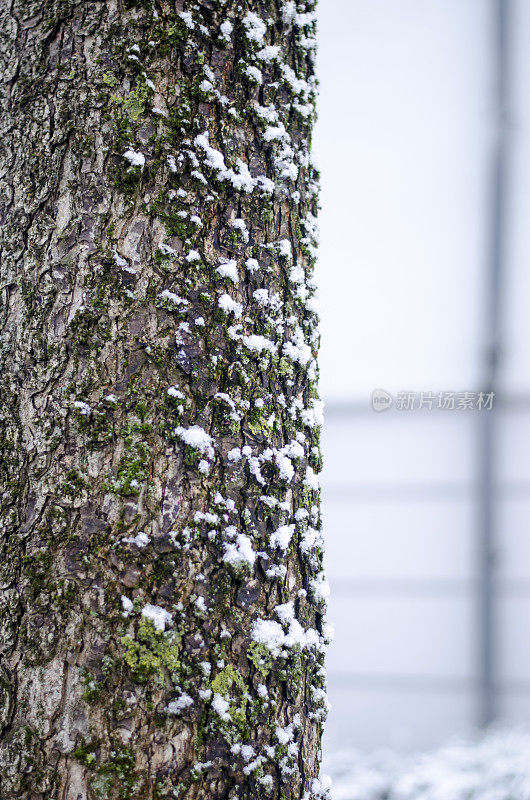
[228, 269]
[311, 479]
[254, 73]
[196, 437]
[320, 587]
[262, 296]
[221, 706]
[320, 787]
[240, 551]
[269, 633]
[239, 225]
[285, 612]
[234, 455]
[313, 416]
[135, 158]
[285, 467]
[167, 250]
[171, 297]
[230, 306]
[255, 27]
[297, 274]
[492, 767]
[269, 501]
[268, 53]
[259, 343]
[252, 265]
[158, 616]
[178, 705]
[226, 29]
[282, 537]
[285, 248]
[187, 19]
[200, 604]
[274, 132]
[297, 85]
[206, 516]
[140, 540]
[288, 11]
[284, 735]
[242, 179]
[247, 751]
[127, 604]
[297, 350]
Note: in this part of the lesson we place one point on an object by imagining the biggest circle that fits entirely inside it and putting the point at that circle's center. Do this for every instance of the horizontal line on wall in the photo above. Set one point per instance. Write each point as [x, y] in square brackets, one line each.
[412, 683]
[421, 683]
[425, 587]
[417, 492]
[358, 407]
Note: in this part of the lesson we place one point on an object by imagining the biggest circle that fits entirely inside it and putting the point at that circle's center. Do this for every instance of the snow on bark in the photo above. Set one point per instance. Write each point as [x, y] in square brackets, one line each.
[162, 624]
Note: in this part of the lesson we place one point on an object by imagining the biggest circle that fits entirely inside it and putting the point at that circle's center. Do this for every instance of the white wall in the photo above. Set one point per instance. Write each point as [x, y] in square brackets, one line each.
[403, 142]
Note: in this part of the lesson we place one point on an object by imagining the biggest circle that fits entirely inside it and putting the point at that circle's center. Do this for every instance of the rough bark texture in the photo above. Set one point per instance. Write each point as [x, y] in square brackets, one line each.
[162, 596]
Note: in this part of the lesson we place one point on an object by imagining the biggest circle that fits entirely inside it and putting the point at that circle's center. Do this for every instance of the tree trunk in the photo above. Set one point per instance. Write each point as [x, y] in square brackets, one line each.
[162, 595]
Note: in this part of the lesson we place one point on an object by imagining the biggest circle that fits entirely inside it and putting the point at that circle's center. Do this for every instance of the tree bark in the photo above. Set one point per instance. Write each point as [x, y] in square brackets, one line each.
[162, 594]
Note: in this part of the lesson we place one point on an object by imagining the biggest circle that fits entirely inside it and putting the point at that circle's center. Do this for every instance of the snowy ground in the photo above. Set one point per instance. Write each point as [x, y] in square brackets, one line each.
[496, 767]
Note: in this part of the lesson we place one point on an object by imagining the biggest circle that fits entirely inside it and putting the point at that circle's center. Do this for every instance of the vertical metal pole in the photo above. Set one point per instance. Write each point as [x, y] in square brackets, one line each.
[487, 420]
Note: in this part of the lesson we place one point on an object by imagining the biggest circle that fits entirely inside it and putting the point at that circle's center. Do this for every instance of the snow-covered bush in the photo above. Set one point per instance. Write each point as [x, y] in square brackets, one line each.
[495, 767]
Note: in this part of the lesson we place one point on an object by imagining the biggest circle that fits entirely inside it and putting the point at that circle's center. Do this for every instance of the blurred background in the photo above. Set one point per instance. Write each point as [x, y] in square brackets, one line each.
[423, 142]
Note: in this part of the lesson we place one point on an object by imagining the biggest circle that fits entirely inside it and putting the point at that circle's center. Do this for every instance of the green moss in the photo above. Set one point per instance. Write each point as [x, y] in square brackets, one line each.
[74, 484]
[176, 225]
[151, 654]
[126, 180]
[163, 260]
[229, 683]
[285, 366]
[292, 672]
[224, 680]
[136, 101]
[120, 770]
[191, 455]
[85, 752]
[107, 666]
[132, 470]
[101, 784]
[257, 420]
[64, 594]
[260, 656]
[109, 79]
[117, 772]
[37, 567]
[92, 691]
[177, 31]
[306, 497]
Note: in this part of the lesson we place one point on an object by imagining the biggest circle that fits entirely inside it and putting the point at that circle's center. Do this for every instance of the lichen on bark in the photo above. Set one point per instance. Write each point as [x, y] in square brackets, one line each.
[162, 608]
